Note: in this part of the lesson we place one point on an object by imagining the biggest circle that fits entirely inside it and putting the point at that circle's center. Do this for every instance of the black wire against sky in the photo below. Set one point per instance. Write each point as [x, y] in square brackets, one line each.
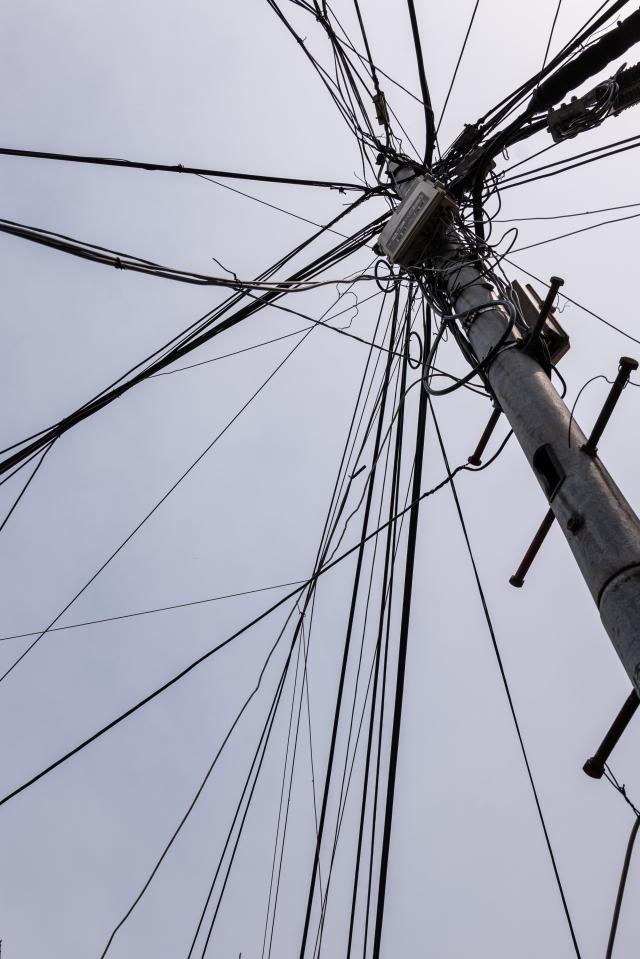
[177, 168]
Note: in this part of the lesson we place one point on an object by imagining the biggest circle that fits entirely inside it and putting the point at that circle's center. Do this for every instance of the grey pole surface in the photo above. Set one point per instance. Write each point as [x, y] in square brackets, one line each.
[600, 526]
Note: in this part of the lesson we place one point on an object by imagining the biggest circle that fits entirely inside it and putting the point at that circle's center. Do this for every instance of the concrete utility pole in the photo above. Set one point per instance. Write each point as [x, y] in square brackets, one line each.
[601, 528]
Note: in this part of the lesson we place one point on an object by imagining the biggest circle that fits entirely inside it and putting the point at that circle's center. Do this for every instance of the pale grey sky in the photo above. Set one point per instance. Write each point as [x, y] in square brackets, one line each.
[223, 85]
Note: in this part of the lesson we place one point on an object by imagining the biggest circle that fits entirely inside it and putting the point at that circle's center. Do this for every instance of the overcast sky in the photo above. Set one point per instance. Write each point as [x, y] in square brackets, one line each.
[225, 86]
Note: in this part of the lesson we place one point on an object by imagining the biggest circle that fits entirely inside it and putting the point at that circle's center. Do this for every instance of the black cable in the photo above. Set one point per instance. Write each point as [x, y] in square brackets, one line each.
[510, 183]
[576, 156]
[346, 774]
[401, 663]
[157, 609]
[331, 525]
[424, 88]
[26, 485]
[129, 262]
[372, 65]
[457, 67]
[347, 642]
[226, 356]
[566, 216]
[553, 26]
[505, 682]
[570, 48]
[588, 62]
[177, 168]
[622, 884]
[393, 503]
[333, 519]
[584, 229]
[276, 872]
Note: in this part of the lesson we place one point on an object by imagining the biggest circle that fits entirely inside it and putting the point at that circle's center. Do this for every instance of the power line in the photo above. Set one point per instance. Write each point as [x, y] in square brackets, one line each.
[272, 206]
[384, 612]
[584, 229]
[25, 486]
[178, 168]
[621, 885]
[157, 609]
[129, 262]
[516, 181]
[564, 216]
[431, 134]
[403, 641]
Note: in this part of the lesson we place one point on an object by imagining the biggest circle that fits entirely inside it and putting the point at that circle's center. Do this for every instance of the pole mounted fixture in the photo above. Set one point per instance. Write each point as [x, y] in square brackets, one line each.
[594, 767]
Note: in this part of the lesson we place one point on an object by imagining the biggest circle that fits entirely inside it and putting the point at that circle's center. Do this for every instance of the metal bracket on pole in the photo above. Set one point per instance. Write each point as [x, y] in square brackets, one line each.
[517, 579]
[594, 766]
[531, 341]
[476, 457]
[626, 367]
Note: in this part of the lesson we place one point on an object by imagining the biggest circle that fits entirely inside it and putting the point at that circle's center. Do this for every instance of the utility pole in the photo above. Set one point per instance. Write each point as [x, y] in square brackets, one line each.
[598, 523]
